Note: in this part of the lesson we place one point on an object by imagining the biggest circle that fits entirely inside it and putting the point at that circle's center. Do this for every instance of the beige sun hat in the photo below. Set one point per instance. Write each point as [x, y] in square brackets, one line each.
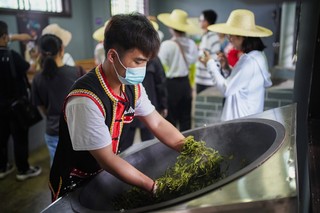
[177, 19]
[155, 25]
[98, 35]
[241, 22]
[56, 30]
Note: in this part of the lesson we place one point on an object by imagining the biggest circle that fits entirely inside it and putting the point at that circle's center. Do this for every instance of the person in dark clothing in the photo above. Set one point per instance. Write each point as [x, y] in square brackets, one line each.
[155, 85]
[51, 86]
[13, 85]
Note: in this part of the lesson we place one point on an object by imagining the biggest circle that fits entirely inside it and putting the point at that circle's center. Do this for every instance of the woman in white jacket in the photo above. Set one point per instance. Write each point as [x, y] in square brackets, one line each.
[244, 89]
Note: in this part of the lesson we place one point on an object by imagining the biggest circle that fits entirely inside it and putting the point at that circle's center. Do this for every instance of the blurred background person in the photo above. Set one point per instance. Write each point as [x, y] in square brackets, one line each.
[244, 89]
[229, 51]
[99, 54]
[32, 59]
[51, 86]
[13, 85]
[176, 55]
[209, 42]
[65, 36]
[31, 52]
[154, 23]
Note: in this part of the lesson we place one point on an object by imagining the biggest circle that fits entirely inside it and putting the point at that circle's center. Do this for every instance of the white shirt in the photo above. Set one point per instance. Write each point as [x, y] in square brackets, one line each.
[68, 60]
[86, 123]
[244, 89]
[172, 58]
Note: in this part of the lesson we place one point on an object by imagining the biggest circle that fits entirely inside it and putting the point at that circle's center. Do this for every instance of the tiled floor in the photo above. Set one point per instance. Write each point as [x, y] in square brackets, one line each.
[31, 195]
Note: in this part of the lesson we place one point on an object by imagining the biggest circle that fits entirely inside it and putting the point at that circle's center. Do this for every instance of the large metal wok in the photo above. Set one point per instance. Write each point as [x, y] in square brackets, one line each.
[246, 144]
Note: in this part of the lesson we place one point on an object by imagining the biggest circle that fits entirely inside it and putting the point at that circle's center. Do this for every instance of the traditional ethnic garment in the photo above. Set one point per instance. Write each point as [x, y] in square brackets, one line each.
[70, 167]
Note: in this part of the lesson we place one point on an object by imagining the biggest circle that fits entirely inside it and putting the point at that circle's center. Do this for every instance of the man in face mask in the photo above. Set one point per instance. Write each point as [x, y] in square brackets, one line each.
[133, 75]
[102, 103]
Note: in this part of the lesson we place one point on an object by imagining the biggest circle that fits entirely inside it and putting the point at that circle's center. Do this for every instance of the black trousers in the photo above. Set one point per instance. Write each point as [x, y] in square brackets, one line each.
[9, 126]
[179, 102]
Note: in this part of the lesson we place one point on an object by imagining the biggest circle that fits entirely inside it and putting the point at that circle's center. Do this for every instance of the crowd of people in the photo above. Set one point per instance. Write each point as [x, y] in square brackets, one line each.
[139, 82]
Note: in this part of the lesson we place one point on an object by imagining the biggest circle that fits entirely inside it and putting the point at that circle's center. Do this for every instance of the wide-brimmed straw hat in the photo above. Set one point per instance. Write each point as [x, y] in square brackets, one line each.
[155, 25]
[177, 19]
[241, 22]
[56, 30]
[98, 35]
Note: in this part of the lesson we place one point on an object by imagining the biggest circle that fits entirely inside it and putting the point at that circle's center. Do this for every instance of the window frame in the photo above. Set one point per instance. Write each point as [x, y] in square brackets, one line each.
[66, 11]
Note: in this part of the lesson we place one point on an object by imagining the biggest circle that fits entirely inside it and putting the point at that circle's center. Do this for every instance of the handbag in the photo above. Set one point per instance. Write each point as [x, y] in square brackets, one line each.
[22, 110]
[25, 113]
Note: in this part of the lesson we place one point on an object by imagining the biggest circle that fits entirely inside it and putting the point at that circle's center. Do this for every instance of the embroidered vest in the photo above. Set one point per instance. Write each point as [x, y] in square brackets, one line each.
[70, 168]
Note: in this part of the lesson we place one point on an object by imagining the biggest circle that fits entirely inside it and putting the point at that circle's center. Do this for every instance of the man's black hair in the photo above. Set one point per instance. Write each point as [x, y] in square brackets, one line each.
[210, 16]
[3, 28]
[130, 31]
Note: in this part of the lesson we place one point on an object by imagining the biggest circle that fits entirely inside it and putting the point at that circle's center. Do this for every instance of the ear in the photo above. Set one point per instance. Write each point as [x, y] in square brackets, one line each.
[62, 51]
[111, 55]
[4, 37]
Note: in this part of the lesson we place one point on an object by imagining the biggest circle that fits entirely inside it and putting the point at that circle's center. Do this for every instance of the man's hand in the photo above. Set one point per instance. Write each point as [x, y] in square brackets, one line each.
[222, 58]
[154, 189]
[205, 57]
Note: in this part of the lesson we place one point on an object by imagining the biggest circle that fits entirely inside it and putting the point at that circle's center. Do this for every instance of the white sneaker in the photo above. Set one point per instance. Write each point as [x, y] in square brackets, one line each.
[6, 171]
[33, 171]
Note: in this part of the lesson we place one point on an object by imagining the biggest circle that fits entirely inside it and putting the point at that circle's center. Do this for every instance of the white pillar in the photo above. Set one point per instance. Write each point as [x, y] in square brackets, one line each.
[287, 34]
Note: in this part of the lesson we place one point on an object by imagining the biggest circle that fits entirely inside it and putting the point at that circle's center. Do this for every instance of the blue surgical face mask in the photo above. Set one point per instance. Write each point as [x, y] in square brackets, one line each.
[133, 75]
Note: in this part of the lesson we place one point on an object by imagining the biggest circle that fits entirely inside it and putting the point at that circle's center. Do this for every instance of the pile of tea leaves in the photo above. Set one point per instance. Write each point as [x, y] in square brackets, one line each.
[196, 167]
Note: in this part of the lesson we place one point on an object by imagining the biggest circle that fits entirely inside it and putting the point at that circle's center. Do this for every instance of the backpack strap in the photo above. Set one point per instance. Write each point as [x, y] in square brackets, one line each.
[181, 51]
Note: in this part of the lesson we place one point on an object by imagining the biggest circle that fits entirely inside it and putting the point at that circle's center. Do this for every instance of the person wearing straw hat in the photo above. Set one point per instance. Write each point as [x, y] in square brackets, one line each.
[98, 35]
[244, 89]
[101, 105]
[176, 55]
[155, 25]
[65, 36]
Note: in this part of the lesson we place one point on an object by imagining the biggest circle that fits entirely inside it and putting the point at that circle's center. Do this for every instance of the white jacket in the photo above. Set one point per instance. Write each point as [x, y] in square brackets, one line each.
[244, 89]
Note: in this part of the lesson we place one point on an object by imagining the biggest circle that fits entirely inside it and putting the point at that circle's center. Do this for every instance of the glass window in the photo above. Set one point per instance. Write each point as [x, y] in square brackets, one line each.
[59, 7]
[127, 6]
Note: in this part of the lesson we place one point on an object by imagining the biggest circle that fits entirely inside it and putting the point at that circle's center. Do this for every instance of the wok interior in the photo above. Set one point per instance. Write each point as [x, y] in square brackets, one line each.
[243, 144]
